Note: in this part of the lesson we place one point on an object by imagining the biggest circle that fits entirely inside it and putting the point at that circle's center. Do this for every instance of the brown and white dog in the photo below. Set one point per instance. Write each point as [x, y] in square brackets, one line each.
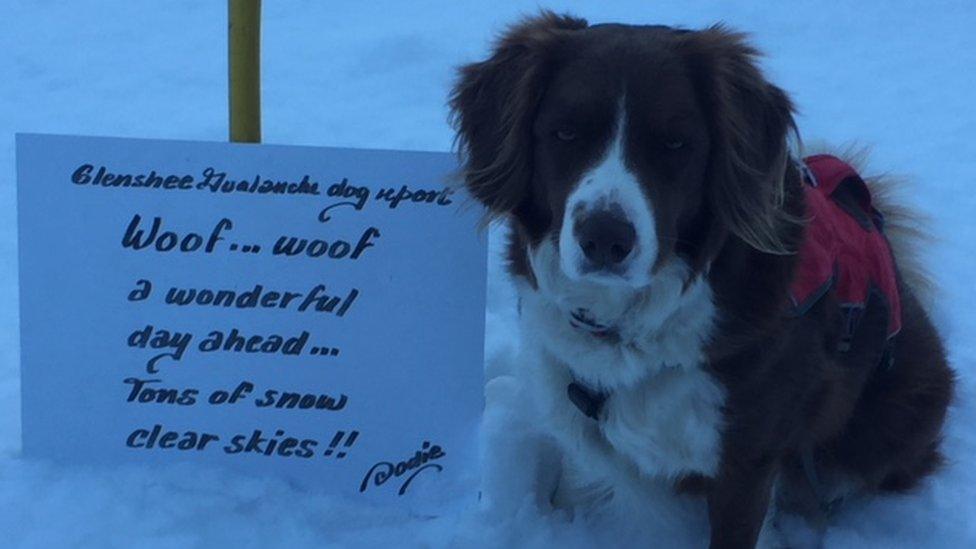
[656, 209]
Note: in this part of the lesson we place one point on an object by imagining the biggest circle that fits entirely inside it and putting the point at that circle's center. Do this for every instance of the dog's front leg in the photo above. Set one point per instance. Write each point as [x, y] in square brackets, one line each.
[738, 502]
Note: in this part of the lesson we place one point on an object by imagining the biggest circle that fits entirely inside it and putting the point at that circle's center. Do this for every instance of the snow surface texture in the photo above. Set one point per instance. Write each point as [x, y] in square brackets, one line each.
[897, 76]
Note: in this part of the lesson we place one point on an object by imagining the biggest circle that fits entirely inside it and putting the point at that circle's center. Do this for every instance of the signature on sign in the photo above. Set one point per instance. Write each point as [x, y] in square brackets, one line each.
[421, 461]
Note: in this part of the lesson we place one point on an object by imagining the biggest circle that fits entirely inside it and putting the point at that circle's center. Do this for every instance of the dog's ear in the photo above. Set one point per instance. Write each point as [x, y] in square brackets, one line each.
[752, 121]
[493, 104]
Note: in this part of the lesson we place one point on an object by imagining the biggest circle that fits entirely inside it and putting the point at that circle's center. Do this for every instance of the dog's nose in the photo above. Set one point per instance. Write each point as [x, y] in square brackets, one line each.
[606, 238]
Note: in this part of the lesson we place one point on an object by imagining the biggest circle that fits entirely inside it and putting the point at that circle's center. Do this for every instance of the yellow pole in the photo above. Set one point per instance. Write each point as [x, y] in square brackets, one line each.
[244, 69]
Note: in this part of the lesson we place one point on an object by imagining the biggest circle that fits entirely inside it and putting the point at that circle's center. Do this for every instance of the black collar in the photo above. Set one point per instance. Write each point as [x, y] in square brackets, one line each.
[582, 320]
[586, 399]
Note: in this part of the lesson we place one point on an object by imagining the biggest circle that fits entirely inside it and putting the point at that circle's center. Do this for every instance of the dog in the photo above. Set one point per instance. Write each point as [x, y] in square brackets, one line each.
[695, 305]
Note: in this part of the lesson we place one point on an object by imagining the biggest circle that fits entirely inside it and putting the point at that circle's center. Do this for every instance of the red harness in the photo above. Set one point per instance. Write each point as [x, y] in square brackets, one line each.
[844, 247]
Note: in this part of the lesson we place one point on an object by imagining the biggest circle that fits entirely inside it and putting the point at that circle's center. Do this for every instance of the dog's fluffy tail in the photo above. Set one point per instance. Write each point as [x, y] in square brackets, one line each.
[904, 227]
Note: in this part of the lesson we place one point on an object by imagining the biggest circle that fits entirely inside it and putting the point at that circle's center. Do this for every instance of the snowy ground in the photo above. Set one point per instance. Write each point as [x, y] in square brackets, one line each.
[898, 76]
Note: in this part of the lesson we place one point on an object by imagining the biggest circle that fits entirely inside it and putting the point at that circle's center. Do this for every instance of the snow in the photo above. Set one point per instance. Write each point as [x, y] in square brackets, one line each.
[897, 76]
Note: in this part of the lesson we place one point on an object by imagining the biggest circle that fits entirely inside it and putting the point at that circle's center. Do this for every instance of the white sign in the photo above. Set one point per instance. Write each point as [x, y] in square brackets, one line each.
[313, 312]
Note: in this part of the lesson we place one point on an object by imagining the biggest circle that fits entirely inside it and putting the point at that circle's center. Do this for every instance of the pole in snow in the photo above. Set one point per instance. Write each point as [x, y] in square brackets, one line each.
[244, 70]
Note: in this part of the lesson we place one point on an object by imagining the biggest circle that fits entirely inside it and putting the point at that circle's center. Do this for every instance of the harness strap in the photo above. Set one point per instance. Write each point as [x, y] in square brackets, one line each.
[827, 506]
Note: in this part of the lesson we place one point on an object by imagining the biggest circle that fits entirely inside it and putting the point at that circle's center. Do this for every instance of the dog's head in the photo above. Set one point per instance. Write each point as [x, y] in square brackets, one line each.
[625, 146]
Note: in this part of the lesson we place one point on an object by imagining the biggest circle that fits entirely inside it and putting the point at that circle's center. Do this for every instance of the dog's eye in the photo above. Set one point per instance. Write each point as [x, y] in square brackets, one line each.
[566, 134]
[674, 144]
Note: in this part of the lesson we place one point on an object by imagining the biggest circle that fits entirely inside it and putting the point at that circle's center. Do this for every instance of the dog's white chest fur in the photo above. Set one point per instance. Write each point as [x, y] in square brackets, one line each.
[669, 426]
[663, 416]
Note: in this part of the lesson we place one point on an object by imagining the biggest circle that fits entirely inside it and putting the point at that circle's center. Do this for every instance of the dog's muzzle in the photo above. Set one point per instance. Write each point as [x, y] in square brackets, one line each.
[606, 238]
